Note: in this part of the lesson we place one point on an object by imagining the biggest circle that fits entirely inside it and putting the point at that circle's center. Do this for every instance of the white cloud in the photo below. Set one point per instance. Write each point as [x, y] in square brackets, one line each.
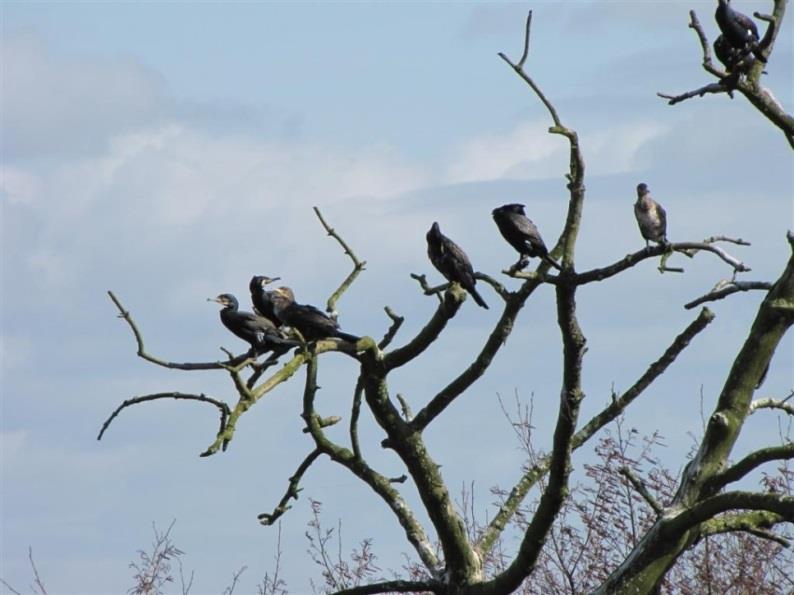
[55, 105]
[525, 152]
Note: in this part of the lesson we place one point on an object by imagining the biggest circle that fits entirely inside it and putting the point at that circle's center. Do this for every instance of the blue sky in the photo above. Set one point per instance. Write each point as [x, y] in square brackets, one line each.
[168, 151]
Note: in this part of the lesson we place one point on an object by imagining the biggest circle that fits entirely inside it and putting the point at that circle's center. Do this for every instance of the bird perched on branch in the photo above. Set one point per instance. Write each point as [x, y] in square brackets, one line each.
[521, 233]
[260, 297]
[308, 320]
[452, 262]
[739, 30]
[731, 56]
[259, 332]
[651, 217]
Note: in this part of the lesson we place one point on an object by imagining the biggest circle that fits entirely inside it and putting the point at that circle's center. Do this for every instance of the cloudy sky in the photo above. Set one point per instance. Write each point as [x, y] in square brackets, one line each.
[170, 150]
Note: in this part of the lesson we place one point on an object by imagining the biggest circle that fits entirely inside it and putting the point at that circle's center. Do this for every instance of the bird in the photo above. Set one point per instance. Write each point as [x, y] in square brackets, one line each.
[651, 217]
[731, 56]
[312, 323]
[260, 297]
[521, 233]
[452, 262]
[259, 332]
[740, 31]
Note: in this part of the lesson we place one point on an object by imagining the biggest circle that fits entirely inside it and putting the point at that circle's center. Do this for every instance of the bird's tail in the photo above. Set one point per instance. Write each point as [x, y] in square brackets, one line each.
[548, 259]
[477, 298]
[347, 337]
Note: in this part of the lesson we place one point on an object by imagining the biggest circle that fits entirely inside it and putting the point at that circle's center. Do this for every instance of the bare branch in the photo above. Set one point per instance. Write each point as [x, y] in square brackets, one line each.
[750, 462]
[642, 490]
[354, 463]
[394, 587]
[726, 288]
[711, 507]
[224, 408]
[498, 287]
[477, 368]
[358, 265]
[292, 490]
[687, 248]
[397, 322]
[449, 306]
[127, 317]
[746, 80]
[756, 522]
[608, 414]
[770, 403]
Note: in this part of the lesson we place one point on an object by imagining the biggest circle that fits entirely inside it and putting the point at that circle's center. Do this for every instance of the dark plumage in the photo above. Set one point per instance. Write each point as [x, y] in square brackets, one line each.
[731, 56]
[260, 297]
[521, 233]
[452, 262]
[308, 320]
[261, 334]
[739, 30]
[651, 217]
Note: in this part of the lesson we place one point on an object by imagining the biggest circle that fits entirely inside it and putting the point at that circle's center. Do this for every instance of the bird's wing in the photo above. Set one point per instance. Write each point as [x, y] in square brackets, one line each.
[662, 218]
[747, 24]
[459, 264]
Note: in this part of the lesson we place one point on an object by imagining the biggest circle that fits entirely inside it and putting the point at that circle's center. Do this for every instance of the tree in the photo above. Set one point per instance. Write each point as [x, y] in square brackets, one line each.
[700, 504]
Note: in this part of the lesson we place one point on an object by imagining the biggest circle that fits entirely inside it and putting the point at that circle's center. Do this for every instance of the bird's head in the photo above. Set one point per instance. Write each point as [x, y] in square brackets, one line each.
[510, 208]
[642, 190]
[225, 299]
[284, 293]
[434, 232]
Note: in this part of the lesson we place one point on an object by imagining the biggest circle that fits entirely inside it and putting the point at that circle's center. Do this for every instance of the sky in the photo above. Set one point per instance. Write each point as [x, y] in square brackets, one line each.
[170, 150]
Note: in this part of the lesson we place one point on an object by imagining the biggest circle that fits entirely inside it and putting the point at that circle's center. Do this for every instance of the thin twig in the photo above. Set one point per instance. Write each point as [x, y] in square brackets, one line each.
[292, 490]
[726, 288]
[358, 265]
[396, 323]
[127, 317]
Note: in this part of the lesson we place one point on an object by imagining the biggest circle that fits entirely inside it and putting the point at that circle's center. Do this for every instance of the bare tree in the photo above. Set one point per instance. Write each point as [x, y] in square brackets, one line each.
[695, 507]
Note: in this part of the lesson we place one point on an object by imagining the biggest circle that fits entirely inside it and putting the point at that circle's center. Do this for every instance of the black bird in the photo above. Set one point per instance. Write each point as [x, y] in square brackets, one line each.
[731, 56]
[739, 30]
[452, 262]
[308, 320]
[651, 217]
[260, 297]
[261, 334]
[521, 233]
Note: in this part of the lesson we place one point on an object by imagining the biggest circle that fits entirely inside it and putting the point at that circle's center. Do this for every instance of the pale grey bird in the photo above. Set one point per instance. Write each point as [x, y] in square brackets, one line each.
[651, 217]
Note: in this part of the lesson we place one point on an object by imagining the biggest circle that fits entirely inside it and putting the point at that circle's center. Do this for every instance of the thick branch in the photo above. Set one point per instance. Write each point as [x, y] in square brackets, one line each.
[224, 408]
[394, 587]
[658, 550]
[449, 306]
[292, 490]
[711, 507]
[750, 462]
[783, 405]
[756, 522]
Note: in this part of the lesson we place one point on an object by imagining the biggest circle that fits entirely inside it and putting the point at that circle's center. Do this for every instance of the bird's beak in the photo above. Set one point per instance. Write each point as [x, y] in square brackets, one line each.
[214, 300]
[269, 280]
